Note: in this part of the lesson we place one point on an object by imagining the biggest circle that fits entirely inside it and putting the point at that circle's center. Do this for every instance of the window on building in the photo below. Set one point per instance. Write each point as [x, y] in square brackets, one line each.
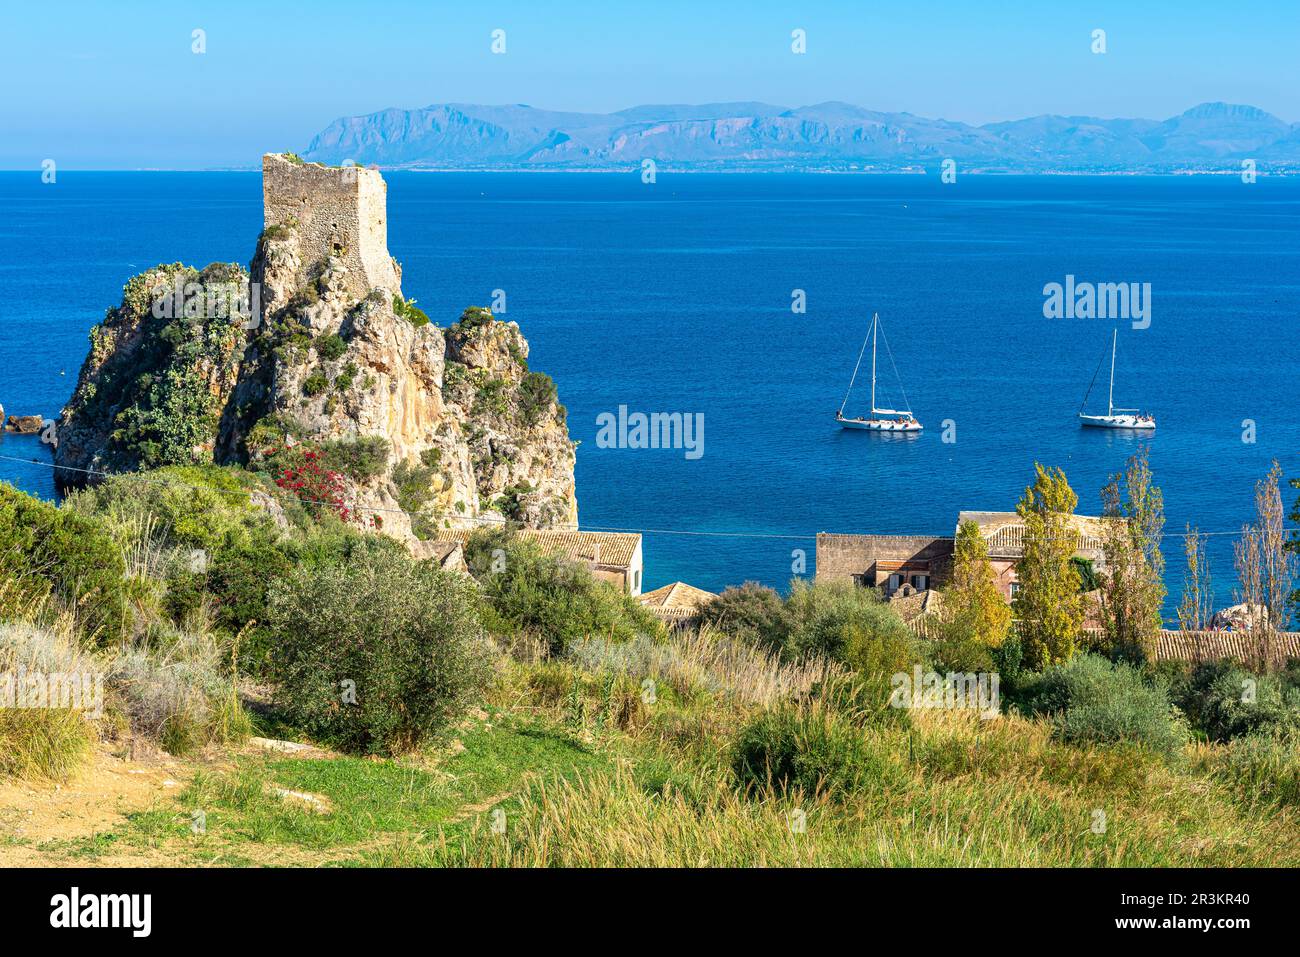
[894, 582]
[636, 580]
[922, 582]
[1015, 589]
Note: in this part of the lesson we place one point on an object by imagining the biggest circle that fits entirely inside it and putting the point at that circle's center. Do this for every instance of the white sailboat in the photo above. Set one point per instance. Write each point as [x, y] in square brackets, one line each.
[882, 420]
[1114, 418]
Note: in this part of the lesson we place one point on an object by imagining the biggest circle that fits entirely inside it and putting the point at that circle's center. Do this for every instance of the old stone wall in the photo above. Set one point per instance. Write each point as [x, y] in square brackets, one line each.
[845, 557]
[338, 211]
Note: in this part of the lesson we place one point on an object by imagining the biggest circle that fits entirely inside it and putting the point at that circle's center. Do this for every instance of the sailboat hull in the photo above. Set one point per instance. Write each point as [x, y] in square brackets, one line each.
[1131, 422]
[879, 425]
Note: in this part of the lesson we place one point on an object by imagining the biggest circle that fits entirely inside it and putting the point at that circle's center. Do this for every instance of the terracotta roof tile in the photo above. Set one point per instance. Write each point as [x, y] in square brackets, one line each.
[677, 595]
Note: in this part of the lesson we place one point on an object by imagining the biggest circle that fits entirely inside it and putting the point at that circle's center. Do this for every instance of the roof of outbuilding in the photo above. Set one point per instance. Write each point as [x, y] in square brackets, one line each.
[677, 595]
[610, 549]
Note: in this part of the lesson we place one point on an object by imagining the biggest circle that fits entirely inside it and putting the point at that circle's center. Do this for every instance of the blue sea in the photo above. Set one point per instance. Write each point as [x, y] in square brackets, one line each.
[676, 297]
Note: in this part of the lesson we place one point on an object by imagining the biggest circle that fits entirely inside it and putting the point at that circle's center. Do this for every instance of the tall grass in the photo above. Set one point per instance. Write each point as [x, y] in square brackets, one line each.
[999, 793]
[1263, 768]
[175, 688]
[41, 742]
[706, 660]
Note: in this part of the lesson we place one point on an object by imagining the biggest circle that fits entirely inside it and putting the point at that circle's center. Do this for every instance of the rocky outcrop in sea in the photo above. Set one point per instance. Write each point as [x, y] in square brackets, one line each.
[313, 359]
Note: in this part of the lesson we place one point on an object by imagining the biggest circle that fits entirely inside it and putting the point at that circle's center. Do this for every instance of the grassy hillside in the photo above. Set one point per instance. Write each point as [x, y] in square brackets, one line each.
[586, 776]
[532, 716]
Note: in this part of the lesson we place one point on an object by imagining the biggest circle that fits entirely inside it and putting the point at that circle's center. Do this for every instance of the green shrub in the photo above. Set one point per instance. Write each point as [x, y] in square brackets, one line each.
[414, 480]
[822, 619]
[1224, 701]
[404, 636]
[330, 347]
[751, 611]
[1094, 701]
[240, 578]
[49, 550]
[837, 621]
[343, 381]
[490, 397]
[275, 232]
[170, 513]
[814, 747]
[510, 502]
[557, 600]
[475, 317]
[245, 551]
[536, 393]
[875, 655]
[315, 384]
[192, 506]
[361, 459]
[406, 309]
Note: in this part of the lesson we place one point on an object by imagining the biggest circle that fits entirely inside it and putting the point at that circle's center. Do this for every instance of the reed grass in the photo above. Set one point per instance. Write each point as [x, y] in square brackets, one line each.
[42, 742]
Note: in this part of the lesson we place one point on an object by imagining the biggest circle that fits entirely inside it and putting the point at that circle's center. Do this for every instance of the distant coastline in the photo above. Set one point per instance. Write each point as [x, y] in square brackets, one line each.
[824, 137]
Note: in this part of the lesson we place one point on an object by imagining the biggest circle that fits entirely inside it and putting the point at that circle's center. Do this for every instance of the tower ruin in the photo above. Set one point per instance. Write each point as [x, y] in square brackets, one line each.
[335, 211]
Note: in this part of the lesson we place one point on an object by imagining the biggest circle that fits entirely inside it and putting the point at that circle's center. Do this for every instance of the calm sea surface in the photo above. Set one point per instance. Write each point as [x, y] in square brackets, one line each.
[675, 297]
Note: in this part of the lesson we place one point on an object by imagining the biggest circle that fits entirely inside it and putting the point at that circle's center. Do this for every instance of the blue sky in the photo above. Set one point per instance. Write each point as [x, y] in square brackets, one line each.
[115, 84]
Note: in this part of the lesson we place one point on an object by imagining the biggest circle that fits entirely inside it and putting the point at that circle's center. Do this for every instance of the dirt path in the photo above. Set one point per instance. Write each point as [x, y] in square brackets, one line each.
[97, 799]
[43, 824]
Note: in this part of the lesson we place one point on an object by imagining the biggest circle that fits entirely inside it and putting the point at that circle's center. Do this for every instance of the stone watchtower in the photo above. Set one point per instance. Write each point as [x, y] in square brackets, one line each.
[338, 211]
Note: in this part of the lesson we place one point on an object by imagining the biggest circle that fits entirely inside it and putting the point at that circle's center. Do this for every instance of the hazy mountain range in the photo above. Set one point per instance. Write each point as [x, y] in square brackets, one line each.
[738, 136]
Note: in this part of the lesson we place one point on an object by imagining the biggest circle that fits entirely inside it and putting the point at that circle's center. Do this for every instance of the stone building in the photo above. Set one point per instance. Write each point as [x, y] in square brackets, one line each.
[1004, 534]
[613, 557]
[887, 562]
[919, 562]
[338, 210]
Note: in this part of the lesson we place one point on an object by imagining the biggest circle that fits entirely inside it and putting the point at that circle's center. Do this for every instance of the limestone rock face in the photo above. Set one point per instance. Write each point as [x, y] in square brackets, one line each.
[416, 428]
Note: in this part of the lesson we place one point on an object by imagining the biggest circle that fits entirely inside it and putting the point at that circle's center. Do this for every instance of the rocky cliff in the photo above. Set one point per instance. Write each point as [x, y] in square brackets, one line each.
[314, 368]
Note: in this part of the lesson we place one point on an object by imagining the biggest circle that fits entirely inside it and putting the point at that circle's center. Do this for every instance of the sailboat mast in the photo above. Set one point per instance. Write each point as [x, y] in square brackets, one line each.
[875, 320]
[1110, 402]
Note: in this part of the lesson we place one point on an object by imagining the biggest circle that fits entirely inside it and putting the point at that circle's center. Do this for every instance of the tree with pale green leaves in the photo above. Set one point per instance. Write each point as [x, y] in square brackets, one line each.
[972, 602]
[1049, 607]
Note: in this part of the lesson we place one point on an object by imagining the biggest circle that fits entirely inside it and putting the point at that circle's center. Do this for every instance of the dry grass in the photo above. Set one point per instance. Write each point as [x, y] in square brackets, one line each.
[45, 741]
[705, 660]
[178, 692]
